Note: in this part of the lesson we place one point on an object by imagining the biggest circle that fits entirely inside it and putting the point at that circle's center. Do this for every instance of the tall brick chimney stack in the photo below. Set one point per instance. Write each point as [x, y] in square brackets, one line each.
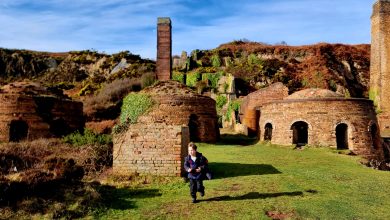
[380, 63]
[164, 49]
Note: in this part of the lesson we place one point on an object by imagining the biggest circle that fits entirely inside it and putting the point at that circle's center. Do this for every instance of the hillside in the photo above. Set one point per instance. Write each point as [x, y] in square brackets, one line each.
[338, 67]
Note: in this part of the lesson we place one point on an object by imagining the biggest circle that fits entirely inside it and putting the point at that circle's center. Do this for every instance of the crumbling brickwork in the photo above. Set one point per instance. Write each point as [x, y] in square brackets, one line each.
[380, 63]
[248, 113]
[28, 112]
[164, 49]
[322, 117]
[151, 148]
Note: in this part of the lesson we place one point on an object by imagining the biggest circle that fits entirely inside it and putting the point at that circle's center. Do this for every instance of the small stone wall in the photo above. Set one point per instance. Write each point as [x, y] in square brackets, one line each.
[248, 113]
[322, 117]
[151, 148]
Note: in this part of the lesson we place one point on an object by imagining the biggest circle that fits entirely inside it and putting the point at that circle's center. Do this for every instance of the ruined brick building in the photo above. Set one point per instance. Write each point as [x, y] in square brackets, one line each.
[157, 143]
[29, 111]
[322, 117]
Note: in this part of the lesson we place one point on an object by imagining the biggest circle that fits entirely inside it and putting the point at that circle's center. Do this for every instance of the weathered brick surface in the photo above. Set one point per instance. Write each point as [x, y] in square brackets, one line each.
[322, 116]
[178, 105]
[249, 115]
[151, 148]
[41, 112]
[380, 62]
[164, 49]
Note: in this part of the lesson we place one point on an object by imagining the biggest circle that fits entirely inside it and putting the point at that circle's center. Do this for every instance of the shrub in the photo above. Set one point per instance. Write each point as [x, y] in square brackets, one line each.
[87, 138]
[192, 78]
[178, 76]
[148, 79]
[233, 106]
[111, 94]
[221, 101]
[215, 60]
[134, 105]
[213, 78]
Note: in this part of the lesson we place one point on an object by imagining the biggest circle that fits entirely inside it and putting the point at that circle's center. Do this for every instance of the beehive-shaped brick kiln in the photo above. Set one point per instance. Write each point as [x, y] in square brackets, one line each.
[29, 111]
[323, 118]
[157, 143]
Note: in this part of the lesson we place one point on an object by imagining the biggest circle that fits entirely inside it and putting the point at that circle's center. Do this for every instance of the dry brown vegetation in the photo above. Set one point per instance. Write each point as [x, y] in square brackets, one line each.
[48, 176]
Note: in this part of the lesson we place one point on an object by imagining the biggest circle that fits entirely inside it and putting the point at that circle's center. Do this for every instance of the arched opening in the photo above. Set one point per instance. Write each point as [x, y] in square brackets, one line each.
[268, 132]
[374, 136]
[18, 130]
[59, 128]
[300, 133]
[193, 125]
[342, 136]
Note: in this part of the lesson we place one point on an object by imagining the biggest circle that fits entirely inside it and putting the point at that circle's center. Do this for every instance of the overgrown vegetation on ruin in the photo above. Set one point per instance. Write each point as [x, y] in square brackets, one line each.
[134, 105]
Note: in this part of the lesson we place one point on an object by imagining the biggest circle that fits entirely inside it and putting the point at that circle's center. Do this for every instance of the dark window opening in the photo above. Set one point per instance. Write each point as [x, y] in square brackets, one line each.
[268, 132]
[300, 133]
[193, 125]
[18, 131]
[59, 128]
[342, 136]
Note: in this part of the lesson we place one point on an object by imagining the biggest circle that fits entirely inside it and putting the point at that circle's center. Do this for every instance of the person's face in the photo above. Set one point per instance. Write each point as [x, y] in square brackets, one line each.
[192, 151]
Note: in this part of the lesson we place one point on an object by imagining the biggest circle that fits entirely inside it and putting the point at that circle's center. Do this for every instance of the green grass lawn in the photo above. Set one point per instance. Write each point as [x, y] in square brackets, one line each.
[255, 180]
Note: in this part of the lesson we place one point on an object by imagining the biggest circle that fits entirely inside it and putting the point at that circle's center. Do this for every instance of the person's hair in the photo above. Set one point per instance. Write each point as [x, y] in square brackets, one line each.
[192, 145]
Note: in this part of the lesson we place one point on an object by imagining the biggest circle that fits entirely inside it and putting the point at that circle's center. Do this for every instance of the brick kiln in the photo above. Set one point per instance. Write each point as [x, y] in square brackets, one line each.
[323, 118]
[29, 111]
[157, 143]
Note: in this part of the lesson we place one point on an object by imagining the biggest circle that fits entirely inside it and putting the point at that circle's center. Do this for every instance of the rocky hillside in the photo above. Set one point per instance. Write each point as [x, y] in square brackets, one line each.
[72, 68]
[341, 68]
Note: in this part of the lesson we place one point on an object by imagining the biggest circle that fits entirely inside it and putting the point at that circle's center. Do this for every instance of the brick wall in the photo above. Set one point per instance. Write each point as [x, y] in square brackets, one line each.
[322, 117]
[151, 148]
[164, 49]
[380, 63]
[249, 116]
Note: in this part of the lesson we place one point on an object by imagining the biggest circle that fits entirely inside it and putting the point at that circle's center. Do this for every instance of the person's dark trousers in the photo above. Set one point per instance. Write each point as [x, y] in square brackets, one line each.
[196, 186]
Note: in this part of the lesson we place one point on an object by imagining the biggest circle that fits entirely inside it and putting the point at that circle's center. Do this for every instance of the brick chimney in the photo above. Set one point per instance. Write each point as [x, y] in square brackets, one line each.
[164, 49]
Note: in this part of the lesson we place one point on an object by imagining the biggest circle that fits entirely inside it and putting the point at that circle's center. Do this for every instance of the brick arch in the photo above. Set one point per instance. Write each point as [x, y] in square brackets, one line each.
[299, 136]
[309, 126]
[350, 131]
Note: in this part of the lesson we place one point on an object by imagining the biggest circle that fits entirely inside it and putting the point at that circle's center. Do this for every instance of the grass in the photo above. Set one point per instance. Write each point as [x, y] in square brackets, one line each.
[262, 180]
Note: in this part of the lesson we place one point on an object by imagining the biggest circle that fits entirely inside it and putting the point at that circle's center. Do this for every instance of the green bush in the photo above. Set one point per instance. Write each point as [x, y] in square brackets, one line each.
[178, 76]
[233, 106]
[134, 105]
[87, 138]
[215, 60]
[221, 101]
[192, 78]
[213, 78]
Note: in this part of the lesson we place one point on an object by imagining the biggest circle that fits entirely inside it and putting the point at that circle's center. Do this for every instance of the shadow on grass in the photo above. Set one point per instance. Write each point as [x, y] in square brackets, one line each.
[124, 198]
[224, 170]
[236, 139]
[256, 195]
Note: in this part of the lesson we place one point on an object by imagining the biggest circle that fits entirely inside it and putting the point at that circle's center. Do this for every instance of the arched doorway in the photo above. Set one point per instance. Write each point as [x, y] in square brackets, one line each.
[193, 125]
[18, 130]
[374, 136]
[300, 133]
[342, 136]
[268, 132]
[59, 128]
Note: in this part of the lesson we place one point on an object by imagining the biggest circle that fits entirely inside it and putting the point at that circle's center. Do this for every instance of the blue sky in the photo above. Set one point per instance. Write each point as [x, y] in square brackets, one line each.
[112, 26]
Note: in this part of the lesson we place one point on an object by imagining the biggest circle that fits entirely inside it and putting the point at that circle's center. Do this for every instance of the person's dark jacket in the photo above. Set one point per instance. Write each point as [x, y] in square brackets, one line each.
[200, 161]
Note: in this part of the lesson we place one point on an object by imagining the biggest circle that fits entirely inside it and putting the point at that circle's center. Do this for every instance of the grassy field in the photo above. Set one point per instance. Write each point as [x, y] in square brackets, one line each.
[262, 181]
